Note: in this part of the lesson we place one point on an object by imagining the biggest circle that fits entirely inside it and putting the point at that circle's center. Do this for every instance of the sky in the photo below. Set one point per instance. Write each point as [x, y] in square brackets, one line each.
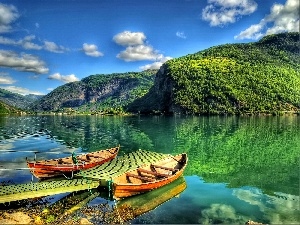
[47, 43]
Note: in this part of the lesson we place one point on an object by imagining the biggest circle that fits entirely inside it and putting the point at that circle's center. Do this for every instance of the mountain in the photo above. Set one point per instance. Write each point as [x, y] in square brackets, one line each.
[16, 100]
[7, 109]
[229, 79]
[33, 97]
[97, 93]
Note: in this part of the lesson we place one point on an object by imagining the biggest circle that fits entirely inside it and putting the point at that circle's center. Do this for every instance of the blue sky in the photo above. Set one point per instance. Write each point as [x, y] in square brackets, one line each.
[47, 43]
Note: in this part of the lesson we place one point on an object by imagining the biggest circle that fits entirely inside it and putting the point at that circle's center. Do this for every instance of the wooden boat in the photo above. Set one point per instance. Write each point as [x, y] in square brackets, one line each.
[149, 176]
[68, 165]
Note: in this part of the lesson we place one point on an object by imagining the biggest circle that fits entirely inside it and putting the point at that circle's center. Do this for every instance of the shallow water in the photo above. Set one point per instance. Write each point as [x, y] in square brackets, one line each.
[240, 168]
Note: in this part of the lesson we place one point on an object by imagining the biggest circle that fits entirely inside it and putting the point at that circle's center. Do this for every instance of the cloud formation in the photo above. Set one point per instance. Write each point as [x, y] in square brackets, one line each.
[282, 18]
[138, 50]
[28, 44]
[126, 38]
[155, 65]
[91, 50]
[5, 79]
[222, 12]
[181, 34]
[22, 62]
[63, 78]
[8, 14]
[52, 47]
[21, 90]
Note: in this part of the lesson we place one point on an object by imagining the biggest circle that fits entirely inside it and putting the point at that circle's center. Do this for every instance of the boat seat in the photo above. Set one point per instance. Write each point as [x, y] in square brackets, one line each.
[84, 160]
[165, 168]
[139, 177]
[152, 173]
[97, 156]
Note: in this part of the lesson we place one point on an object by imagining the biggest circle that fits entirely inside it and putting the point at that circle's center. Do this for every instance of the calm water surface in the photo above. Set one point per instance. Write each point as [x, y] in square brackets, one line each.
[240, 168]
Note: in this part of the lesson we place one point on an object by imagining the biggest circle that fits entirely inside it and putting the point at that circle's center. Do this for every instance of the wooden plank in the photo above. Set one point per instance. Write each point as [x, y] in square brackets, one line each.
[140, 177]
[152, 172]
[165, 168]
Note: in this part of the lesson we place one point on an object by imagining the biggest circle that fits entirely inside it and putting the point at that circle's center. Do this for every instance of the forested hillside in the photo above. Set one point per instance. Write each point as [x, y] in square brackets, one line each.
[97, 93]
[17, 100]
[7, 109]
[232, 78]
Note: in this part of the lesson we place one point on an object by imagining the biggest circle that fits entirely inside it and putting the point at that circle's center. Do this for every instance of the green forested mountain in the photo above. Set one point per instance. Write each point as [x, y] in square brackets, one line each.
[8, 109]
[17, 100]
[258, 77]
[232, 78]
[97, 93]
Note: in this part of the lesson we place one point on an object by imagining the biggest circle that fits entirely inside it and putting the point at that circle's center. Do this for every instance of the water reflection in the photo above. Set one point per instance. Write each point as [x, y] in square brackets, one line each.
[257, 157]
[140, 204]
[278, 209]
[260, 152]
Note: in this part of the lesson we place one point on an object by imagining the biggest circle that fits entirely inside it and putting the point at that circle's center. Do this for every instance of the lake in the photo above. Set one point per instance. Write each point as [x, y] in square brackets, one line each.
[240, 168]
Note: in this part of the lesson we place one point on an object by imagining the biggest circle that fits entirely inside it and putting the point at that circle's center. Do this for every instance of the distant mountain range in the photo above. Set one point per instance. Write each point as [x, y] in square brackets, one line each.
[15, 102]
[259, 77]
[97, 93]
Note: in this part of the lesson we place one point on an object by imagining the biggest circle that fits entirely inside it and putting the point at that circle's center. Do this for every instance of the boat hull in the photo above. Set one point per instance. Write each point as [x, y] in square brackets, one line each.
[123, 190]
[50, 168]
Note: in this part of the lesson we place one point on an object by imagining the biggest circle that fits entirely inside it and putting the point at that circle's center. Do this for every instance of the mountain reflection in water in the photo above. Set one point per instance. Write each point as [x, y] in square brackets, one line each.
[240, 168]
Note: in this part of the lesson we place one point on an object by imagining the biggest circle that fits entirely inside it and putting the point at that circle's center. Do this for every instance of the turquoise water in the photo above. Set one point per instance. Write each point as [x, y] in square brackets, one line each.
[240, 168]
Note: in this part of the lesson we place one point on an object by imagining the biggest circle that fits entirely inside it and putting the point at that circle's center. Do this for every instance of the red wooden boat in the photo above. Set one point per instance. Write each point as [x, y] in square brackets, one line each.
[69, 165]
[149, 177]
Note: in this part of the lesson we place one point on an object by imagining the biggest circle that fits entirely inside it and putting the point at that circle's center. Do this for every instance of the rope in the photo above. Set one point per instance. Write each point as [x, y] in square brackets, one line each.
[109, 184]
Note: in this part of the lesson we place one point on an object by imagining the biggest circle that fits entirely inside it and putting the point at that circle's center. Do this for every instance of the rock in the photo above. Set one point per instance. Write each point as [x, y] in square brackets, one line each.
[252, 222]
[84, 221]
[15, 218]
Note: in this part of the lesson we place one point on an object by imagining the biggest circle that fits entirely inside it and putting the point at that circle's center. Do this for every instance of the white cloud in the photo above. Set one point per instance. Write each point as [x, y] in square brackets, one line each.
[222, 12]
[127, 38]
[139, 52]
[282, 18]
[21, 90]
[152, 66]
[22, 62]
[155, 65]
[52, 47]
[91, 50]
[253, 32]
[8, 14]
[27, 43]
[63, 78]
[180, 34]
[7, 41]
[37, 25]
[5, 79]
